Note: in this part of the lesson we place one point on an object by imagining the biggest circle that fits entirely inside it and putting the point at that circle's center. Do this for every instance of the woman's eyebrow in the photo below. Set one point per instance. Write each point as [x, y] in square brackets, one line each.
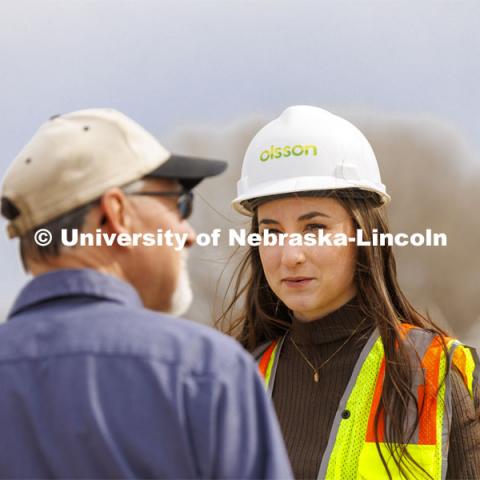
[268, 221]
[308, 216]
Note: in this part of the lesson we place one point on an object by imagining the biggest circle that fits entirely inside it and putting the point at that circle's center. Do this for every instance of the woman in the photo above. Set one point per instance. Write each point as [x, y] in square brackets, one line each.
[363, 384]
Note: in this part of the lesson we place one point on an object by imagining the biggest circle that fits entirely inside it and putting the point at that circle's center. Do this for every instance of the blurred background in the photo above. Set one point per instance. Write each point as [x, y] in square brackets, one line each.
[205, 76]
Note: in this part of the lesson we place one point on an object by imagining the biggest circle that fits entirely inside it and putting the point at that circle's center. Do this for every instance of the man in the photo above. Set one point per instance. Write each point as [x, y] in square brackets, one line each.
[94, 382]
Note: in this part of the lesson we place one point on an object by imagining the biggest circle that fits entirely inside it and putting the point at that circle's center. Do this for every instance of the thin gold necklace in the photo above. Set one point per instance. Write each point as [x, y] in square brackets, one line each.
[316, 370]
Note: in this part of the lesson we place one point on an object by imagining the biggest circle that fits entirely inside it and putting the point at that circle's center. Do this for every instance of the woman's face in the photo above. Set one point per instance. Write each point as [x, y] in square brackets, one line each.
[310, 280]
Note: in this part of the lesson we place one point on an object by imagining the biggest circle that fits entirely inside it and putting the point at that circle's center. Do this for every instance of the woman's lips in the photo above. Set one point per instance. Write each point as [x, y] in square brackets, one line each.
[297, 282]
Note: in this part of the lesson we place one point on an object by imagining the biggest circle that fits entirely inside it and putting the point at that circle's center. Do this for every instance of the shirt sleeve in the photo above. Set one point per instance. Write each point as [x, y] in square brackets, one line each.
[464, 453]
[233, 426]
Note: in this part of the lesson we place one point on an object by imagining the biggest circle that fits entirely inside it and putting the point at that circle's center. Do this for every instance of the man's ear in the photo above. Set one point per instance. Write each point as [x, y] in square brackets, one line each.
[116, 213]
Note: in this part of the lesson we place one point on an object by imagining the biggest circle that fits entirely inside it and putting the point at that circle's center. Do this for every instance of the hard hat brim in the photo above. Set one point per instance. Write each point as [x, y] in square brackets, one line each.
[301, 184]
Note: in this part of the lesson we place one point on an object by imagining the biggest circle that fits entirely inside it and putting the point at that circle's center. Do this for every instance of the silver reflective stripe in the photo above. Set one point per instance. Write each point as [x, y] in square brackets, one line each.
[447, 413]
[476, 371]
[420, 340]
[259, 351]
[273, 372]
[322, 473]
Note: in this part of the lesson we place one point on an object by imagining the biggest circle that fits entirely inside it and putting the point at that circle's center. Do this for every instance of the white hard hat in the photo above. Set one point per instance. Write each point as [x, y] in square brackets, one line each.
[306, 149]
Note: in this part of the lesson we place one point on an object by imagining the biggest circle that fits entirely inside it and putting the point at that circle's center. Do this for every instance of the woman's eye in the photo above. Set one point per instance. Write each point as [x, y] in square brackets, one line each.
[273, 231]
[315, 226]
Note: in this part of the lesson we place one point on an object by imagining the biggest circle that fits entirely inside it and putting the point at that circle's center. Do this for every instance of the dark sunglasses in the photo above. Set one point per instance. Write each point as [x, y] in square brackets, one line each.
[184, 202]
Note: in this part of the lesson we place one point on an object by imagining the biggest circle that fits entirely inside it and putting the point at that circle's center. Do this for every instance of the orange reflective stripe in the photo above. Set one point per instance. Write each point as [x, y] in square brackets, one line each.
[405, 327]
[427, 429]
[265, 359]
[426, 396]
[370, 437]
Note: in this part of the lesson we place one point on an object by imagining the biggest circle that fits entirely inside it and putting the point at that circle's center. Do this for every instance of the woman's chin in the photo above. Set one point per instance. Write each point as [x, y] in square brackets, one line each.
[300, 311]
[300, 299]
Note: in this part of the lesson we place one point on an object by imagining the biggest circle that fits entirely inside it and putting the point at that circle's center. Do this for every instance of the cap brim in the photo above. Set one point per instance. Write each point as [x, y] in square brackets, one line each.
[189, 171]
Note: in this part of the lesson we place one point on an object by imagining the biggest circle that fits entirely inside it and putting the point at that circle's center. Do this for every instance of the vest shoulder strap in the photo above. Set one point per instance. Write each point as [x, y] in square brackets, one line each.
[462, 357]
[261, 349]
[465, 360]
[268, 362]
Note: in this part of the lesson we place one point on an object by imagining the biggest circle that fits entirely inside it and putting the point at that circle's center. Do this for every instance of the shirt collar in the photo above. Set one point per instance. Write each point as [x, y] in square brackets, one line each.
[75, 282]
[340, 324]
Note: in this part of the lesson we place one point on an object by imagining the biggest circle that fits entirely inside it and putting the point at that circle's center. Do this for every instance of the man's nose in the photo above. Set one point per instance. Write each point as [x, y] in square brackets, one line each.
[192, 235]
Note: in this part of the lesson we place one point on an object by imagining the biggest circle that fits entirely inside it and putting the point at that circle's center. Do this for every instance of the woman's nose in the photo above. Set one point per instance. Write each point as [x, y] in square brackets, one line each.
[292, 255]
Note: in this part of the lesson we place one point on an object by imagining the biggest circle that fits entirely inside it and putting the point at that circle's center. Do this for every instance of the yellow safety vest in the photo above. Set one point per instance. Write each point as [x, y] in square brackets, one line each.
[351, 451]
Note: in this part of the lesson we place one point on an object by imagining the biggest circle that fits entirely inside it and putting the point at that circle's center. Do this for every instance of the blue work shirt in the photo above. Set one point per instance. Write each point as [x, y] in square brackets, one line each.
[93, 385]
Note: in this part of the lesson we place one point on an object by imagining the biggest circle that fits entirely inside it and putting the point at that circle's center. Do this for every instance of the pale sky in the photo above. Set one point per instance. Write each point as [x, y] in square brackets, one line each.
[174, 63]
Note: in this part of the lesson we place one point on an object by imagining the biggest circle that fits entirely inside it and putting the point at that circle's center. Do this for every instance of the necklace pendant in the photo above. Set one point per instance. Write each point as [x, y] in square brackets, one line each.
[316, 377]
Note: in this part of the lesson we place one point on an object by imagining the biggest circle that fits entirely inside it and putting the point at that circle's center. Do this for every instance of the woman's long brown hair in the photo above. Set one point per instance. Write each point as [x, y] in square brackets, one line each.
[264, 317]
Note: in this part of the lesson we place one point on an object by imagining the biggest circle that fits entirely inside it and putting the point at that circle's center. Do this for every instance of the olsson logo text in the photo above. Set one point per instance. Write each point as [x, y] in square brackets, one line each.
[287, 151]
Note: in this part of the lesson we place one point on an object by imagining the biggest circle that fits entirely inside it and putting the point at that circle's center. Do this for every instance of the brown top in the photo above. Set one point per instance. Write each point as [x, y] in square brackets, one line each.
[306, 409]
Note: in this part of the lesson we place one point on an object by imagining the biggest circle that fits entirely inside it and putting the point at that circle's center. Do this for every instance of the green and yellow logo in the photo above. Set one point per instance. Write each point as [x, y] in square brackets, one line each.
[287, 151]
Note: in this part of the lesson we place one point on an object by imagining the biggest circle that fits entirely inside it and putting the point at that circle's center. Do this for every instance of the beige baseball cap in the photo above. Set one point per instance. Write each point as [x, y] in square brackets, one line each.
[74, 158]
